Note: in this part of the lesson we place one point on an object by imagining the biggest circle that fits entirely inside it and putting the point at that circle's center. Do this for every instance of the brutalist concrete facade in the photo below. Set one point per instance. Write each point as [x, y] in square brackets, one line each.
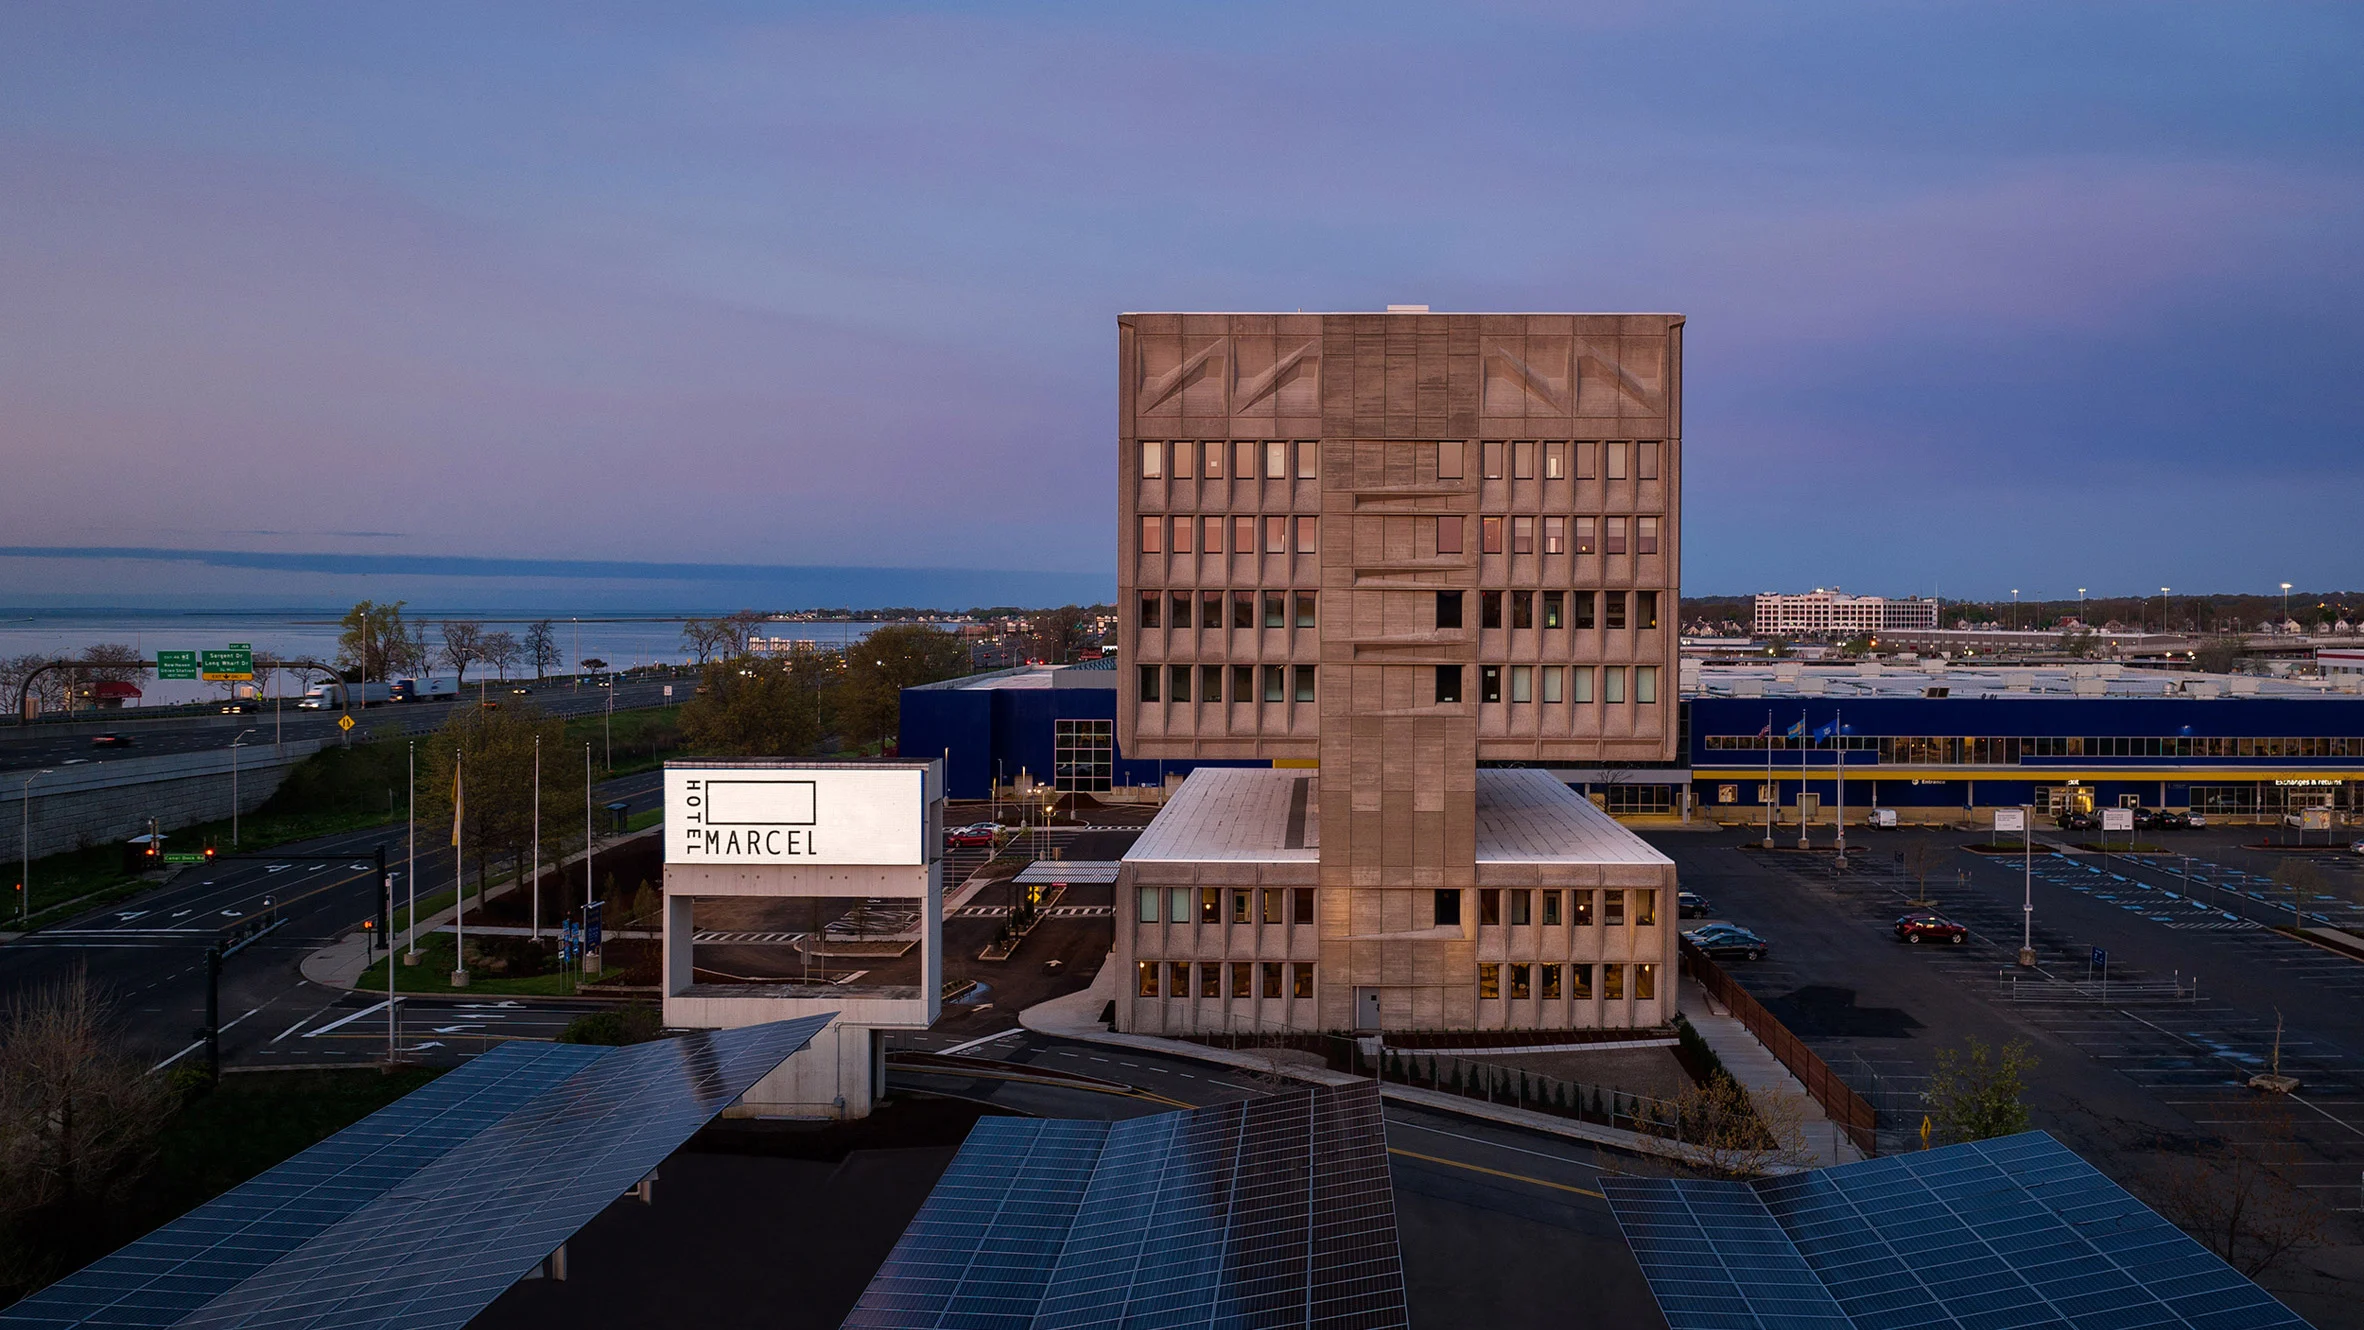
[1393, 546]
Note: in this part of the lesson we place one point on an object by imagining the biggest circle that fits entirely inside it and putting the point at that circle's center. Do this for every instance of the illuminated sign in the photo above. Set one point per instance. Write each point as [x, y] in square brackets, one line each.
[796, 815]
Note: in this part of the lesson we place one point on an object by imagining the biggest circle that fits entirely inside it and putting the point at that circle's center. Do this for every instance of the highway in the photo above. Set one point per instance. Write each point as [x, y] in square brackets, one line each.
[24, 747]
[148, 956]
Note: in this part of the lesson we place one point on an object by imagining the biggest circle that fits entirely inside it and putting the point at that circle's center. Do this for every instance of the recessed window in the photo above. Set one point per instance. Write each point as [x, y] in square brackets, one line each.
[1583, 603]
[1276, 460]
[1153, 459]
[1243, 979]
[1522, 683]
[1210, 683]
[1448, 460]
[1613, 982]
[1301, 906]
[1522, 459]
[1522, 535]
[1309, 533]
[1305, 604]
[1243, 459]
[1518, 981]
[1551, 683]
[1153, 535]
[1613, 907]
[1243, 609]
[1448, 684]
[1448, 609]
[1614, 541]
[1554, 609]
[1551, 908]
[1149, 680]
[1645, 684]
[1555, 461]
[1276, 535]
[1276, 610]
[1271, 972]
[1243, 535]
[1148, 971]
[1182, 603]
[1210, 609]
[1270, 902]
[1151, 604]
[1489, 907]
[1490, 535]
[1522, 609]
[1448, 534]
[1580, 683]
[1489, 609]
[1586, 541]
[1645, 907]
[1489, 683]
[1551, 982]
[1179, 449]
[1214, 536]
[1522, 903]
[1586, 452]
[1612, 684]
[1616, 467]
[1211, 452]
[1645, 609]
[1555, 535]
[1580, 908]
[1210, 905]
[1645, 460]
[1490, 459]
[1580, 982]
[1151, 898]
[1179, 677]
[1489, 980]
[1645, 535]
[1239, 907]
[1645, 982]
[1448, 907]
[1615, 603]
[1178, 979]
[1210, 981]
[1309, 457]
[1182, 529]
[1304, 680]
[1243, 682]
[1301, 979]
[1275, 683]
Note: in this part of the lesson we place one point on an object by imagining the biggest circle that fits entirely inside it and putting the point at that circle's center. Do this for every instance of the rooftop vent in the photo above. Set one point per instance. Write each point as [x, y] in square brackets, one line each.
[1407, 309]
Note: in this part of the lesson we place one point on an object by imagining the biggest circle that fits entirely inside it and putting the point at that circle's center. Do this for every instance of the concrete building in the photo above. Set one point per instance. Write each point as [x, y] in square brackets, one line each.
[1386, 549]
[1833, 611]
[846, 859]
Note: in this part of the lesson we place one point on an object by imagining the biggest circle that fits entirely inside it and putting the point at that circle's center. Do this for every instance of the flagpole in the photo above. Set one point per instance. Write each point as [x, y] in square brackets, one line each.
[410, 875]
[459, 880]
[1772, 787]
[1838, 735]
[537, 868]
[1805, 740]
[589, 890]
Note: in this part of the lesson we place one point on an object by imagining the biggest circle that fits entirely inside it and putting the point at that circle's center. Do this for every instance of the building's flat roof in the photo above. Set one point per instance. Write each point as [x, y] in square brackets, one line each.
[1256, 815]
[1088, 674]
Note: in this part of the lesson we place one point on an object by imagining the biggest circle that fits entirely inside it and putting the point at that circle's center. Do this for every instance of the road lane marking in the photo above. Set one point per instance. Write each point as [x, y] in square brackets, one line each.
[193, 1047]
[1493, 1172]
[348, 1020]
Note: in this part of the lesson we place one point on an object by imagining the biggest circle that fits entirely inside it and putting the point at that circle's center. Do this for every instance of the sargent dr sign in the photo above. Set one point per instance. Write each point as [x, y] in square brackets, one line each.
[795, 815]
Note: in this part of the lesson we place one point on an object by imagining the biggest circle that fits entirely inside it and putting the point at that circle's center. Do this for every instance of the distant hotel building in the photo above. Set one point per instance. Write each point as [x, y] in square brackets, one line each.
[1379, 551]
[1833, 611]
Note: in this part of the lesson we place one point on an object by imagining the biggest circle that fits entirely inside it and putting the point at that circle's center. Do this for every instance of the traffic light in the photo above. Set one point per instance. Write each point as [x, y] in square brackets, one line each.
[210, 852]
[153, 849]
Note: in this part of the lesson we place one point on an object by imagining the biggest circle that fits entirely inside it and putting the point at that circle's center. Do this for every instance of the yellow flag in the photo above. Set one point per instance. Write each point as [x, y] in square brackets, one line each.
[456, 807]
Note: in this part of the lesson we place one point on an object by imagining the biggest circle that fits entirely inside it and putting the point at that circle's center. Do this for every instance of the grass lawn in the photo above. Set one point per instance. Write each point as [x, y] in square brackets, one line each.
[433, 975]
[641, 739]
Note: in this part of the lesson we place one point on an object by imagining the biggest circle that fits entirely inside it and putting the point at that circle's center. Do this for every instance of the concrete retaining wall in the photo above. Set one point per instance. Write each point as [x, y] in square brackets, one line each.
[103, 802]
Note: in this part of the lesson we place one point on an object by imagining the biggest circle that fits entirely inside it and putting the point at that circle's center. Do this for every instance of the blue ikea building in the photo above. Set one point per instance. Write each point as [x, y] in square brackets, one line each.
[1053, 724]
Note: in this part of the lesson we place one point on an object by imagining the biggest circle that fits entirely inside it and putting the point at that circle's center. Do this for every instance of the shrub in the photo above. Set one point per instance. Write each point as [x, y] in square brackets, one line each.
[634, 1024]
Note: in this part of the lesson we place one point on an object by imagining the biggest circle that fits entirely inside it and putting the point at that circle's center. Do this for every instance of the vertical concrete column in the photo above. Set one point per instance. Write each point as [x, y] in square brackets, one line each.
[679, 915]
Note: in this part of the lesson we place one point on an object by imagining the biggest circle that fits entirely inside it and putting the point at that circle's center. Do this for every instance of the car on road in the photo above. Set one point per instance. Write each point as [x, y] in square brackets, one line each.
[976, 835]
[1719, 941]
[1930, 928]
[1692, 905]
[521, 691]
[2079, 822]
[241, 706]
[110, 740]
[2357, 848]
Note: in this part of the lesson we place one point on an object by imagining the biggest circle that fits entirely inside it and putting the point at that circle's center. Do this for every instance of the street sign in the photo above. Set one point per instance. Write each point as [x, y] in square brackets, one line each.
[2010, 819]
[2099, 958]
[184, 857]
[2117, 819]
[176, 665]
[234, 663]
[591, 932]
[2314, 819]
[344, 722]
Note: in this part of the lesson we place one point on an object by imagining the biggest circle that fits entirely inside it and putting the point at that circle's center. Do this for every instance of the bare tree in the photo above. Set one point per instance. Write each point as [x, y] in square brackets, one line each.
[1921, 858]
[701, 636]
[1734, 1134]
[739, 630]
[2232, 1194]
[501, 651]
[78, 1113]
[541, 646]
[462, 640]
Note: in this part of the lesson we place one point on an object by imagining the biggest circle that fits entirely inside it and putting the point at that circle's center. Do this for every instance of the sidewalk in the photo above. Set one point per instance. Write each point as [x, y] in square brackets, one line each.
[1762, 1075]
[1077, 1016]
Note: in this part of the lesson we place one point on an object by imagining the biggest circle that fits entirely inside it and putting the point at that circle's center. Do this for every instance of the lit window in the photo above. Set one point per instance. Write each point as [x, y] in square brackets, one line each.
[1489, 683]
[1555, 461]
[1309, 455]
[1153, 459]
[1301, 979]
[1276, 535]
[1645, 684]
[1276, 460]
[1489, 980]
[1586, 541]
[1148, 973]
[1272, 979]
[1210, 981]
[1555, 535]
[1553, 614]
[1153, 531]
[1551, 982]
[1613, 982]
[1522, 683]
[1580, 908]
[1580, 982]
[1518, 982]
[1178, 979]
[1645, 982]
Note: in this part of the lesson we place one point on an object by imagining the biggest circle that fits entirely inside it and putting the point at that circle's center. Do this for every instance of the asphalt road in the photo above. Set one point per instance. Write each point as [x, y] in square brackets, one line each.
[147, 954]
[1495, 1223]
[2133, 1076]
[29, 746]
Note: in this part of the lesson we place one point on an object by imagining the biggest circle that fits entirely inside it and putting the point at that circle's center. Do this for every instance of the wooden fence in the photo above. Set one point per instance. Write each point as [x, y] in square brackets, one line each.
[1847, 1110]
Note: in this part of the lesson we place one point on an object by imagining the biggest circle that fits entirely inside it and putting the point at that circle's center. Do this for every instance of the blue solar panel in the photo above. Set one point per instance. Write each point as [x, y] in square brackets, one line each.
[160, 1279]
[1266, 1212]
[1985, 1236]
[435, 1250]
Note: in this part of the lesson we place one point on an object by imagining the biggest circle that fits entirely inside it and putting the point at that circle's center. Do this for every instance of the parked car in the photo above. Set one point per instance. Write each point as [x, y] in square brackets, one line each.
[1692, 905]
[2195, 820]
[1881, 817]
[110, 740]
[2357, 848]
[2079, 822]
[2162, 819]
[976, 835]
[1719, 941]
[1930, 928]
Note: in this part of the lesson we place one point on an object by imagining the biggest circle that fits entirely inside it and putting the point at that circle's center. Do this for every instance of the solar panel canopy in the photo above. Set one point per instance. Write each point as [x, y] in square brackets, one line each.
[1990, 1235]
[1262, 1213]
[422, 1214]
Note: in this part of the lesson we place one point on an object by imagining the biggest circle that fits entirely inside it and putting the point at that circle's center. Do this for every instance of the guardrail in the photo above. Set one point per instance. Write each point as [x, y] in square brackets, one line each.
[1846, 1109]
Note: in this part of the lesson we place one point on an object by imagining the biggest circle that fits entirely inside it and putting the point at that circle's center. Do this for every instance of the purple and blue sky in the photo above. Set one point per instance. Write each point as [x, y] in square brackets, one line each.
[1981, 295]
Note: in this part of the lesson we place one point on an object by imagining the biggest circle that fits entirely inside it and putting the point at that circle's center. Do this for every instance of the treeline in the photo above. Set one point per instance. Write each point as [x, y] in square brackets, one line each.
[812, 702]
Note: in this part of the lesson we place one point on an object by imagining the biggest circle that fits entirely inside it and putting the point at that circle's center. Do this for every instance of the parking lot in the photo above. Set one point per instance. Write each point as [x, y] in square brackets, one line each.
[2141, 1065]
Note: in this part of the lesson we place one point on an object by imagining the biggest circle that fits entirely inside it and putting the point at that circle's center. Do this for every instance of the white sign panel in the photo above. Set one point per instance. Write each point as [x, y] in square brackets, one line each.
[2010, 819]
[2314, 819]
[817, 816]
[2117, 819]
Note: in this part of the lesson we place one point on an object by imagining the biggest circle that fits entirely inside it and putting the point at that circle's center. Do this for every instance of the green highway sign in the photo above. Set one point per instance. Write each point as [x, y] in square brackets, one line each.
[235, 663]
[181, 857]
[176, 664]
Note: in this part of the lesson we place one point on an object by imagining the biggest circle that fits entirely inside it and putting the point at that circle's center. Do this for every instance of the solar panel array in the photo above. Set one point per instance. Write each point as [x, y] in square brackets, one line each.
[437, 1249]
[1261, 1213]
[185, 1264]
[1991, 1235]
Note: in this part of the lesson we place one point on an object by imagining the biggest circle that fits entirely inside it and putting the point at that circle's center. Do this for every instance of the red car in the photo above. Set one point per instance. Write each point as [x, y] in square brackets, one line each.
[1930, 928]
[979, 835]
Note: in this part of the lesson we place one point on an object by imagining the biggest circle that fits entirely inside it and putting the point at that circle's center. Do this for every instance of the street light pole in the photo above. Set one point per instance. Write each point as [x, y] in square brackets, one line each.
[2285, 607]
[2027, 886]
[234, 786]
[2162, 611]
[24, 846]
